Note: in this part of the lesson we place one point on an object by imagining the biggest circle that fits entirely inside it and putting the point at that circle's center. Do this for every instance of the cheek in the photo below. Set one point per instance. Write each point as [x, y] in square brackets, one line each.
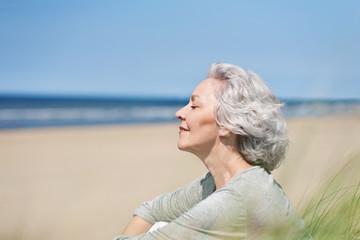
[205, 123]
[208, 119]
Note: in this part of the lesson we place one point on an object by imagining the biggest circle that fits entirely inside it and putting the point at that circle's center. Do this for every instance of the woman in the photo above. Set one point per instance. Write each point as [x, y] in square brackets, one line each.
[233, 123]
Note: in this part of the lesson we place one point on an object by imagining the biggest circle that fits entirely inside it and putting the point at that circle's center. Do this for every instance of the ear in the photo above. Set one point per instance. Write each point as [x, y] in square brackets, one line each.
[224, 132]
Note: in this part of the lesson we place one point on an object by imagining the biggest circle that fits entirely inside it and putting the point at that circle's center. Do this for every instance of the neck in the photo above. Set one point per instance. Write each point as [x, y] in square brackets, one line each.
[224, 162]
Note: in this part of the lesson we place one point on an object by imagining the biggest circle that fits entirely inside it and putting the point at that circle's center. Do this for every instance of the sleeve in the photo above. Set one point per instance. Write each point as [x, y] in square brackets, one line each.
[169, 206]
[220, 216]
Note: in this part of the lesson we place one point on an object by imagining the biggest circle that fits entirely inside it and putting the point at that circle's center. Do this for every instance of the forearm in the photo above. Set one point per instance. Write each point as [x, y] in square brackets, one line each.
[169, 206]
[136, 227]
[213, 218]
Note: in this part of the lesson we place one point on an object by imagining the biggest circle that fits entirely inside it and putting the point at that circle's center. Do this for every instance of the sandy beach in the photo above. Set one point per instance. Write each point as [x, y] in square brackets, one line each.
[85, 182]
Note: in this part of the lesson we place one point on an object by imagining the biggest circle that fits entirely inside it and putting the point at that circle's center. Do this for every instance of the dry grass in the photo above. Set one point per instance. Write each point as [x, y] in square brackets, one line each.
[334, 212]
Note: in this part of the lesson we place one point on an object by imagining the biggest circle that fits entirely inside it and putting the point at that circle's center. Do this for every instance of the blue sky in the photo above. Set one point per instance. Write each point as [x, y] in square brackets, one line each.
[302, 49]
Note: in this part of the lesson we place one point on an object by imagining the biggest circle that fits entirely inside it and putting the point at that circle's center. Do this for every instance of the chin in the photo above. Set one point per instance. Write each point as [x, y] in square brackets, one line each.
[182, 147]
[186, 149]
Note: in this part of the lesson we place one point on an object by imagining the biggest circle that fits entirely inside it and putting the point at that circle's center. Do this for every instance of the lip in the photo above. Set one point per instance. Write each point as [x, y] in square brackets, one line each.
[182, 129]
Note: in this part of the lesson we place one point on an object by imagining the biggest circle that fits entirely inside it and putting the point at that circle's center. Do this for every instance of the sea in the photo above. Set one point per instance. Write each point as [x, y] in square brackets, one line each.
[55, 111]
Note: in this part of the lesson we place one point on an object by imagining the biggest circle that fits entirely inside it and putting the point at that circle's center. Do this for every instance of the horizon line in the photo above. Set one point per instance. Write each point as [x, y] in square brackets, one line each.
[147, 97]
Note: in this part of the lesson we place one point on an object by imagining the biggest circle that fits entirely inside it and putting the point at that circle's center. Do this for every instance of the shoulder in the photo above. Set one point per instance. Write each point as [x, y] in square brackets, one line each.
[257, 189]
[254, 180]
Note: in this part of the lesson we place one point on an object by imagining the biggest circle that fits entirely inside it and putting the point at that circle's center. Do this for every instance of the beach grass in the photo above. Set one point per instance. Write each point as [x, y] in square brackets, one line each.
[334, 211]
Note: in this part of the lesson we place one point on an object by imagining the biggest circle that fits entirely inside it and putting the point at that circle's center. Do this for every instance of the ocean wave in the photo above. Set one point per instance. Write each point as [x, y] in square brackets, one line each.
[65, 113]
[302, 109]
[87, 113]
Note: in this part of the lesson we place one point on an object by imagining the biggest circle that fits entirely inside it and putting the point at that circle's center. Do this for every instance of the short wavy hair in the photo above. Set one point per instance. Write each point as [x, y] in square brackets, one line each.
[247, 107]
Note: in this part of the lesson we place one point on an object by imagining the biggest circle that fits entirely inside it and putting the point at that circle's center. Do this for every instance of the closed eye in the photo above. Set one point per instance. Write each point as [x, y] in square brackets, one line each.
[193, 106]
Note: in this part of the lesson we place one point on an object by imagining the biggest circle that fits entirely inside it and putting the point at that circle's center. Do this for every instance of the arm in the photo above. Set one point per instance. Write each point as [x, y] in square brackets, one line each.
[136, 227]
[225, 215]
[220, 216]
[169, 206]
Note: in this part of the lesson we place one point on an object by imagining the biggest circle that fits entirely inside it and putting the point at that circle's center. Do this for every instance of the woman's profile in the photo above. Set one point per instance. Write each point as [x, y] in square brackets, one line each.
[234, 125]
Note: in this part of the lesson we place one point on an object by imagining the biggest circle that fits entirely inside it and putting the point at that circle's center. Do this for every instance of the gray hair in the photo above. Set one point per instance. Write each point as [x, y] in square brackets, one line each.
[247, 107]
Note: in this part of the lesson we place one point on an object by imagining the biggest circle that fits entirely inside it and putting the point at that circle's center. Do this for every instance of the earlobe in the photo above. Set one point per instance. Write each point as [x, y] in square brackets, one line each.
[224, 132]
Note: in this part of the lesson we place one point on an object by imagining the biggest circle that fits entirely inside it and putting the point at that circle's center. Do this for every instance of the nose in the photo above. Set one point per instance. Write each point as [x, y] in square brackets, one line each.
[181, 114]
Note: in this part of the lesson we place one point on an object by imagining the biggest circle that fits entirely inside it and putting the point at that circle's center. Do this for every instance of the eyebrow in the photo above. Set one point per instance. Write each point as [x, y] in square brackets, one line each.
[194, 96]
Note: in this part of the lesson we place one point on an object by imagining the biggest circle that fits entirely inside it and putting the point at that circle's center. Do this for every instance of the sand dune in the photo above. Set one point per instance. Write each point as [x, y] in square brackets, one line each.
[84, 182]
